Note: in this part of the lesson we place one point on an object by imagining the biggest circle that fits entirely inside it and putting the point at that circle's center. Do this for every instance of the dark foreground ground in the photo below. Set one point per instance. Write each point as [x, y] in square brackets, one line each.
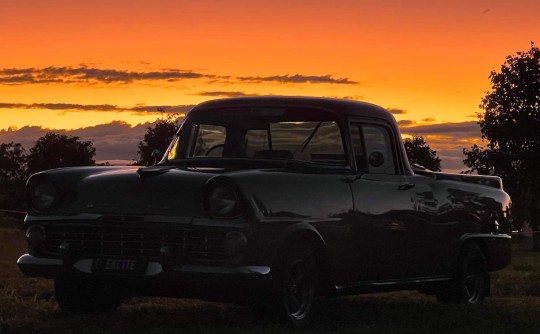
[27, 305]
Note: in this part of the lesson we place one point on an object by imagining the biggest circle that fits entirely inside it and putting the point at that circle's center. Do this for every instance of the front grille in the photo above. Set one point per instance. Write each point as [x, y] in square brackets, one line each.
[188, 244]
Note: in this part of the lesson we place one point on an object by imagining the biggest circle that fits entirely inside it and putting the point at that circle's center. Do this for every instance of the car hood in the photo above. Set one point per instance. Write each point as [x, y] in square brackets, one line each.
[133, 191]
[145, 191]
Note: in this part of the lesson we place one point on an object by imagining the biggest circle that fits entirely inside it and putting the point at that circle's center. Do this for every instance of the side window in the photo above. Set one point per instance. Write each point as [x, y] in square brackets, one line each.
[325, 146]
[207, 141]
[256, 140]
[373, 149]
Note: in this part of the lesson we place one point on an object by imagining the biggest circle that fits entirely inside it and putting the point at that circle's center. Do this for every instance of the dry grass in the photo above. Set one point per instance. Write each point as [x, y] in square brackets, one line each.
[27, 305]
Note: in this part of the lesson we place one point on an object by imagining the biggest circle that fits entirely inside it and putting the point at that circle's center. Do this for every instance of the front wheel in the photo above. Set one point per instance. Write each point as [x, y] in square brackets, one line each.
[471, 282]
[298, 284]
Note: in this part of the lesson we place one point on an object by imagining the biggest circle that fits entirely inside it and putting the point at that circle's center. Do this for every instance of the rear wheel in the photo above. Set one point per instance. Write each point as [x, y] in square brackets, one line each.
[78, 295]
[470, 284]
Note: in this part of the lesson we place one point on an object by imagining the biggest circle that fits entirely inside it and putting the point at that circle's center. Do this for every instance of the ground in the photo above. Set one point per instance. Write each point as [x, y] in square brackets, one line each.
[27, 305]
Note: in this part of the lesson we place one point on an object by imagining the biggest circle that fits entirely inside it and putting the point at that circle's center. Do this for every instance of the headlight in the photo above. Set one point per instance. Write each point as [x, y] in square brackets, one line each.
[43, 196]
[223, 201]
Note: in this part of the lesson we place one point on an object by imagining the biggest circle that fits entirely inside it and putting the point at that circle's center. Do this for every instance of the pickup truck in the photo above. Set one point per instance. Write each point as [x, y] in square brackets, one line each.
[272, 201]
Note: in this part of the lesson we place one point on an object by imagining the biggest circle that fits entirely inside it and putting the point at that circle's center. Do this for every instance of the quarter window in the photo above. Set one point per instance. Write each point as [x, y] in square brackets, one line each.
[372, 145]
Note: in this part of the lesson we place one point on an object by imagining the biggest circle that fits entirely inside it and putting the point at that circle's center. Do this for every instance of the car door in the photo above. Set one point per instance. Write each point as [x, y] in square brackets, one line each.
[384, 205]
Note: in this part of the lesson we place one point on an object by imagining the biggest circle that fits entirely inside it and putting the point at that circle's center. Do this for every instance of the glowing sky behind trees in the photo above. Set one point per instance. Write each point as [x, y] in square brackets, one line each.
[80, 65]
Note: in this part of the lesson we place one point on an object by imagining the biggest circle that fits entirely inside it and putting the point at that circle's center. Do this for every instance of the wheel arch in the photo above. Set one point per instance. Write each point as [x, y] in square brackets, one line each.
[497, 248]
[306, 233]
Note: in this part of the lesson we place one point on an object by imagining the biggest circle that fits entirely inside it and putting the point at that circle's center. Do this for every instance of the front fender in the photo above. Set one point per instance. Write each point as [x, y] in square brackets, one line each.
[497, 248]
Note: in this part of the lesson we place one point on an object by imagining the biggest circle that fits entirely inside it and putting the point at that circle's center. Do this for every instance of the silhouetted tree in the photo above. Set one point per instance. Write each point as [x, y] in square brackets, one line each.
[12, 176]
[58, 150]
[156, 140]
[510, 123]
[12, 162]
[420, 153]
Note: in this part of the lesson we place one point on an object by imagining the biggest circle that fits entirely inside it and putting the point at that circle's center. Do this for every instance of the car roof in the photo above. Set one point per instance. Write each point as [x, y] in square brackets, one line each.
[340, 107]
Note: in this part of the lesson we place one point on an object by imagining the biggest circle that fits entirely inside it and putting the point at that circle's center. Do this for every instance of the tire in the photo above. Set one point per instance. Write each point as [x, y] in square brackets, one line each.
[298, 284]
[470, 284]
[77, 295]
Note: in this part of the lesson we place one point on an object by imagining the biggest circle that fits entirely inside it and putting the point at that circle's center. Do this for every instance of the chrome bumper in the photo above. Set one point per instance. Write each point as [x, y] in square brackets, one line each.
[45, 267]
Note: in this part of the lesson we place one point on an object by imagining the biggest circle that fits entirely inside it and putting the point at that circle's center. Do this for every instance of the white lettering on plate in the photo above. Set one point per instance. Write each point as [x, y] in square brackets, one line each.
[120, 264]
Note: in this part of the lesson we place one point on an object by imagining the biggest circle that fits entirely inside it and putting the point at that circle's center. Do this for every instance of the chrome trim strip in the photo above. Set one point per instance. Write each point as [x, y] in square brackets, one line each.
[393, 282]
[485, 235]
[80, 216]
[84, 265]
[95, 216]
[245, 270]
[217, 223]
[153, 268]
[28, 259]
[307, 220]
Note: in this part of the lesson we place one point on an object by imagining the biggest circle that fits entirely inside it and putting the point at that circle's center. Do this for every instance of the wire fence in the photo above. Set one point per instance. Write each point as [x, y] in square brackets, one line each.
[524, 233]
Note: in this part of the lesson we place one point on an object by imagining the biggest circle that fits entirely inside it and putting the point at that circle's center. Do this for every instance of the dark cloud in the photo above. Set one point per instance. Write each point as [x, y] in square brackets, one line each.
[406, 123]
[225, 93]
[97, 107]
[114, 142]
[90, 75]
[298, 78]
[87, 75]
[396, 111]
[451, 159]
[428, 119]
[167, 109]
[348, 97]
[463, 130]
[353, 97]
[448, 139]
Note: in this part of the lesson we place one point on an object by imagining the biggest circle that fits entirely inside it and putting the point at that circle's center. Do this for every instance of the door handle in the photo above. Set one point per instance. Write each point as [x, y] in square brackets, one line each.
[406, 186]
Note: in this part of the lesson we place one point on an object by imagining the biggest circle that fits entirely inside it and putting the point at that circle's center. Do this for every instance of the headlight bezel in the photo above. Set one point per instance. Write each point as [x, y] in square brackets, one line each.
[43, 195]
[223, 200]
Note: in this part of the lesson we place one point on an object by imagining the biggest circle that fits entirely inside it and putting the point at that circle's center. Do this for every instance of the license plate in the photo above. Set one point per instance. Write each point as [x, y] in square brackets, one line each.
[113, 265]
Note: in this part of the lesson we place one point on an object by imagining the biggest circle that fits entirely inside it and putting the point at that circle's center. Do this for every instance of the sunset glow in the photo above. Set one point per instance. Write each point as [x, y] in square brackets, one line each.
[72, 64]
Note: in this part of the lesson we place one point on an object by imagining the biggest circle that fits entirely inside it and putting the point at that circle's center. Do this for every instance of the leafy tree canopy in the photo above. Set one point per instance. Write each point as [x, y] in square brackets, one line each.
[419, 152]
[58, 150]
[510, 123]
[12, 162]
[156, 140]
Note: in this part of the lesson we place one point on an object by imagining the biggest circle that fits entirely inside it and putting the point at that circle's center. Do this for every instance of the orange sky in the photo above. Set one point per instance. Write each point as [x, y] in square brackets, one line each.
[429, 58]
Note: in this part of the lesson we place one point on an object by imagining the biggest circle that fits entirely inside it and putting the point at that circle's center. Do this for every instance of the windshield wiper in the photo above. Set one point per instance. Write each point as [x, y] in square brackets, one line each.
[304, 144]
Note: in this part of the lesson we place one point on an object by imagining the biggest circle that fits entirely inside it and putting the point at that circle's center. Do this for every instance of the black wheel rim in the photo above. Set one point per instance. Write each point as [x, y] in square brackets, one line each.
[473, 288]
[299, 291]
[473, 283]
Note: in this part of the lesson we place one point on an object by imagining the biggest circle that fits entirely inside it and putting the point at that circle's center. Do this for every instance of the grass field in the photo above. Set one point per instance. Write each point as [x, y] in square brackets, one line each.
[27, 305]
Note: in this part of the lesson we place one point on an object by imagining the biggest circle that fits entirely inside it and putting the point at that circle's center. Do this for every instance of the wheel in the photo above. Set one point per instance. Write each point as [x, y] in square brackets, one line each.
[77, 295]
[298, 284]
[470, 284]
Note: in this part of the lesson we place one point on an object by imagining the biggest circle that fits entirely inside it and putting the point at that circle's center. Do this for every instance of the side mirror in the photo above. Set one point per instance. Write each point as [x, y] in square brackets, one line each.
[376, 159]
[156, 154]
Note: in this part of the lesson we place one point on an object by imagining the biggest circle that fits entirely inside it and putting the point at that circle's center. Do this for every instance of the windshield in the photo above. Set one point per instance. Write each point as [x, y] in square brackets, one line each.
[259, 134]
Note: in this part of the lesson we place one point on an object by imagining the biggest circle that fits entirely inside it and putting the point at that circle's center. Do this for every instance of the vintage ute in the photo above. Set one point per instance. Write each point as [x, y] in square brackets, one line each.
[271, 201]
